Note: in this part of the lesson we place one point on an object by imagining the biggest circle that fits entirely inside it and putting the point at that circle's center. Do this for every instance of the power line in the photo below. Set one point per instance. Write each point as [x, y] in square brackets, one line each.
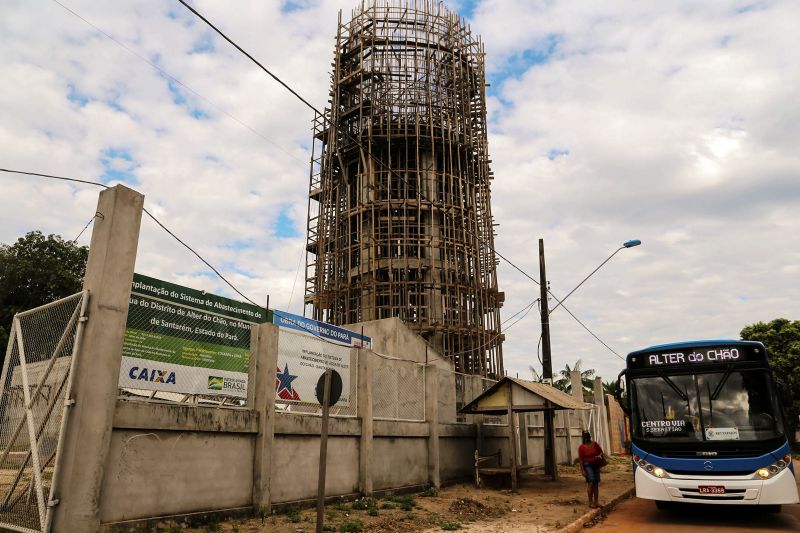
[200, 257]
[98, 214]
[11, 171]
[251, 58]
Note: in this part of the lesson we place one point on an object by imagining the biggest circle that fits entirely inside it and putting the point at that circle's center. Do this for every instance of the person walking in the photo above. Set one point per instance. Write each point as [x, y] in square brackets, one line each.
[590, 458]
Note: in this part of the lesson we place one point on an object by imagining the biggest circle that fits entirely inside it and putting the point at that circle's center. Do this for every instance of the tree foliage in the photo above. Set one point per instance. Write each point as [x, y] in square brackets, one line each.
[564, 381]
[36, 270]
[781, 337]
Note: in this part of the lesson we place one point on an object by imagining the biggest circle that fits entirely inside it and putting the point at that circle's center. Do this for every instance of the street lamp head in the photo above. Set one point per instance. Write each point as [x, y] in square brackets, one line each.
[632, 243]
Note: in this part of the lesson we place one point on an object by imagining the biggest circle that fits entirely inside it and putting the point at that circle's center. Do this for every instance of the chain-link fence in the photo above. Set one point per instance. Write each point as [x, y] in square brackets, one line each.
[35, 382]
[184, 353]
[398, 390]
[302, 361]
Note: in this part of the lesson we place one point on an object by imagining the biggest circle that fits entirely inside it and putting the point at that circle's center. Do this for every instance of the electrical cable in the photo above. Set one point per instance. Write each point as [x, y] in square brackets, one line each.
[251, 58]
[98, 214]
[217, 272]
[12, 171]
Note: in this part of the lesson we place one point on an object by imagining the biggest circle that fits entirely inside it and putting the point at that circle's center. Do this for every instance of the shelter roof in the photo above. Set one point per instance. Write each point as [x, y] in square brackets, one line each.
[524, 396]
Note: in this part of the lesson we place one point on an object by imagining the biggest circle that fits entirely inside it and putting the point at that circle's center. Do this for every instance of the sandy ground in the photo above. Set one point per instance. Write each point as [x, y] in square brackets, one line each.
[538, 506]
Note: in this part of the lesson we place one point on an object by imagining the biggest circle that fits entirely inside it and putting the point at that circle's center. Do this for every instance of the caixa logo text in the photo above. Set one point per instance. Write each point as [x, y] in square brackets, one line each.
[153, 375]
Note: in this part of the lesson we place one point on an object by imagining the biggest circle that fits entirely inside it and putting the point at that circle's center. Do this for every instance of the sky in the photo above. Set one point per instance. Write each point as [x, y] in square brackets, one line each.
[676, 123]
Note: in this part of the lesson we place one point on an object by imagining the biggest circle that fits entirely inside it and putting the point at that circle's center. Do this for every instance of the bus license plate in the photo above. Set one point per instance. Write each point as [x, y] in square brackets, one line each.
[711, 489]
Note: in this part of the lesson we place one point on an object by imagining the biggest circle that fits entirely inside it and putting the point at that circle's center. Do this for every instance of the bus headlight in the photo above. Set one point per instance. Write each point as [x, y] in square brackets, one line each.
[773, 469]
[657, 471]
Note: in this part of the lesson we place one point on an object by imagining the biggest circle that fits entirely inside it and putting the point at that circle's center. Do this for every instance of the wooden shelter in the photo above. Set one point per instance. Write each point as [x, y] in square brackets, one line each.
[514, 395]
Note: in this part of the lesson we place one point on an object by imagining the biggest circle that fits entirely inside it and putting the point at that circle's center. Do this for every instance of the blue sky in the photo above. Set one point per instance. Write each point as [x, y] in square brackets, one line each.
[675, 123]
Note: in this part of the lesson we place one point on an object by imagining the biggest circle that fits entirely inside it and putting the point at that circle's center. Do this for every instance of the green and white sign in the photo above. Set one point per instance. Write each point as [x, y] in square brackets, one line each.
[183, 340]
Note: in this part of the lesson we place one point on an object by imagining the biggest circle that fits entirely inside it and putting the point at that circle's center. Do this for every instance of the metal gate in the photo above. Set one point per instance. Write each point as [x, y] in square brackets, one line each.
[35, 382]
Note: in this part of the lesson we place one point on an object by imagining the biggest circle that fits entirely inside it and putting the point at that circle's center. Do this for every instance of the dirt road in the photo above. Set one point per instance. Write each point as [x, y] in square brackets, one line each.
[635, 515]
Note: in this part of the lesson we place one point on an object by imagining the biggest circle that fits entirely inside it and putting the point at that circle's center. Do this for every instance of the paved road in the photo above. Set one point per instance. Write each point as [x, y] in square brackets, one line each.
[635, 515]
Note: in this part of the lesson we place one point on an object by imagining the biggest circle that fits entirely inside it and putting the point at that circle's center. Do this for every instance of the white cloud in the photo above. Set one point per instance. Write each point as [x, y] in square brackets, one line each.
[675, 123]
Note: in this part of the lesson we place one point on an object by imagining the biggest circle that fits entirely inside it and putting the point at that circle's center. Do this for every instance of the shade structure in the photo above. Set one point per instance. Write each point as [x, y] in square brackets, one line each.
[524, 396]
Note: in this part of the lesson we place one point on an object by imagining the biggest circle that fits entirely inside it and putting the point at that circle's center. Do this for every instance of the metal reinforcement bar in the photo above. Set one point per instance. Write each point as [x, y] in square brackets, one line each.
[399, 216]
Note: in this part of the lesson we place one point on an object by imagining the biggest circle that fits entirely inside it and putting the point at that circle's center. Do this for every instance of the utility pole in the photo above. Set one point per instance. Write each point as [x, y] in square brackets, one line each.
[550, 467]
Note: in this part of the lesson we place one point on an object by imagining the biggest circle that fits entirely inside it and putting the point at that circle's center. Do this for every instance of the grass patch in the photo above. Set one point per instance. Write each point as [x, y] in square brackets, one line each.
[448, 525]
[292, 512]
[352, 526]
[406, 502]
[362, 504]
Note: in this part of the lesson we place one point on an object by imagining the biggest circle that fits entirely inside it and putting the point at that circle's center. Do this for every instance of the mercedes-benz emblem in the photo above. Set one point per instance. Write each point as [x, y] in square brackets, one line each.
[708, 465]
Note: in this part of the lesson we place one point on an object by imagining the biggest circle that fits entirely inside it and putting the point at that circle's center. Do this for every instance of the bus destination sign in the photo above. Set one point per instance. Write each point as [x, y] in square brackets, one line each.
[697, 355]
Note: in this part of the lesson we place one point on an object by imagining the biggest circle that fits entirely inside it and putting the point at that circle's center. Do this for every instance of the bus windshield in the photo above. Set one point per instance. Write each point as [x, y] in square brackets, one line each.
[716, 406]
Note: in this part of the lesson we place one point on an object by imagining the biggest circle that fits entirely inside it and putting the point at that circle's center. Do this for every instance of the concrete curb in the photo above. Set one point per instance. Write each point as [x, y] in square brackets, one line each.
[578, 524]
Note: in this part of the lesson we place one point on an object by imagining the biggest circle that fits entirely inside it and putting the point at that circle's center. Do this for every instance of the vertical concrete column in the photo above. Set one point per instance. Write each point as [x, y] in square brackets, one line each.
[95, 381]
[262, 392]
[577, 392]
[568, 435]
[432, 417]
[602, 418]
[523, 438]
[365, 372]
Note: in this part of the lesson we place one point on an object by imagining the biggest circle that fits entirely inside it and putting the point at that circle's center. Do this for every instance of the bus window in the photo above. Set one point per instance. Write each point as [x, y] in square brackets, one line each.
[738, 406]
[666, 408]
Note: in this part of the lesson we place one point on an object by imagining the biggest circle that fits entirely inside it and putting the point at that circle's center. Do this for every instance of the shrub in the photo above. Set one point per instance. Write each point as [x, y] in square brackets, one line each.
[353, 526]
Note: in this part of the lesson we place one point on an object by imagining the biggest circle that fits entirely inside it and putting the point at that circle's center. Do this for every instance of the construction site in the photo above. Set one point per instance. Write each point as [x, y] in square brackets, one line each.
[399, 216]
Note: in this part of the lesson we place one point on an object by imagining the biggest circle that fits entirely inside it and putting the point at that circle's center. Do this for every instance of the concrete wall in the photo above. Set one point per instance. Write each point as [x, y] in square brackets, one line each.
[173, 472]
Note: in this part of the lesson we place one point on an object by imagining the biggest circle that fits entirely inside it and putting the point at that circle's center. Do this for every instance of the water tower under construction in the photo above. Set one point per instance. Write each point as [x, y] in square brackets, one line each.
[399, 218]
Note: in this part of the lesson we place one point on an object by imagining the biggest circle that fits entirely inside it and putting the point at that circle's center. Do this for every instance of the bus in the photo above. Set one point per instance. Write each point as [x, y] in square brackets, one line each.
[706, 425]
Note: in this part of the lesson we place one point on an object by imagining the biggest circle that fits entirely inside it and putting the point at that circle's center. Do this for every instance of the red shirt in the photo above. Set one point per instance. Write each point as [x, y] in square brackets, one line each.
[590, 453]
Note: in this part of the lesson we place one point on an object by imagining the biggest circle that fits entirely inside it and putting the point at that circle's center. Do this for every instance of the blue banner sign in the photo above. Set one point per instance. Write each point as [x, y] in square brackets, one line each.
[321, 330]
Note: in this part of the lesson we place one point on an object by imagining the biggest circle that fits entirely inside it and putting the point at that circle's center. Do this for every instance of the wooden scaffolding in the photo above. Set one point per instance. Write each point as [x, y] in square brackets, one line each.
[399, 214]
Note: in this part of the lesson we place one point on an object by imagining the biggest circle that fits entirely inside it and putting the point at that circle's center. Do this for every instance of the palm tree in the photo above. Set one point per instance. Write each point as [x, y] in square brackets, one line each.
[610, 387]
[536, 376]
[564, 381]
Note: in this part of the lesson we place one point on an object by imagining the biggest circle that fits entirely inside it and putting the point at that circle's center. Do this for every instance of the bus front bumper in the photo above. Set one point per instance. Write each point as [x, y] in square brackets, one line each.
[739, 490]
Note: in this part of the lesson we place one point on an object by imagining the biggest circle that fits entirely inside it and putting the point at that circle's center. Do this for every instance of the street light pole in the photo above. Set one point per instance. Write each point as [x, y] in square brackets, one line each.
[627, 244]
[550, 466]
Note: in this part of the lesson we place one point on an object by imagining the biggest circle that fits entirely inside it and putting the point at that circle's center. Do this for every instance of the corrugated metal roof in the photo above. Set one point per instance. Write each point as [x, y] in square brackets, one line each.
[560, 399]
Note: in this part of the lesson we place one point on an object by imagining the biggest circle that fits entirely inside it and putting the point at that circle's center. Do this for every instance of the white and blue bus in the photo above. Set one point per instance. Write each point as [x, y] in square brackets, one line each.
[706, 425]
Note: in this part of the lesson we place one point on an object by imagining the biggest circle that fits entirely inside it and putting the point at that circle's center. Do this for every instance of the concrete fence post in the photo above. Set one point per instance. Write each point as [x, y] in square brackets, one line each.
[576, 385]
[95, 382]
[366, 365]
[432, 417]
[522, 424]
[262, 373]
[602, 418]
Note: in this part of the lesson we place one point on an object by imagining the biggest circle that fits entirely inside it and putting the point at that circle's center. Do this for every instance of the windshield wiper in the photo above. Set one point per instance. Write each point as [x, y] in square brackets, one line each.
[718, 388]
[672, 385]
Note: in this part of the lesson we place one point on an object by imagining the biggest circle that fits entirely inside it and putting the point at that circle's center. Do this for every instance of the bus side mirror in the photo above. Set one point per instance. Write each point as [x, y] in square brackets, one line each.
[620, 393]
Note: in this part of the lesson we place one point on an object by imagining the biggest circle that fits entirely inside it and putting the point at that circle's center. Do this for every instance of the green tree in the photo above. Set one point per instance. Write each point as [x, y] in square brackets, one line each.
[36, 270]
[781, 337]
[564, 381]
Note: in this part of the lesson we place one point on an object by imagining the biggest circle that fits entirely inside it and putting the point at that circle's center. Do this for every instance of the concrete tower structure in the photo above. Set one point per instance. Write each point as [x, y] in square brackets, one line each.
[399, 217]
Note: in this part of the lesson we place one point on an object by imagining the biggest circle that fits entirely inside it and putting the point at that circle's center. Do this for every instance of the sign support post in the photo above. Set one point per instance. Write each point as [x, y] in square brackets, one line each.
[323, 449]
